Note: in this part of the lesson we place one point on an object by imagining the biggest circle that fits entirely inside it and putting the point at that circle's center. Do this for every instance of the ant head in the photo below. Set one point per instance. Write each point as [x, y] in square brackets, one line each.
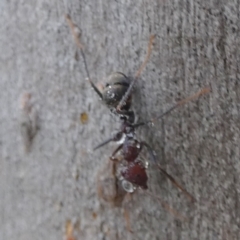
[114, 90]
[136, 174]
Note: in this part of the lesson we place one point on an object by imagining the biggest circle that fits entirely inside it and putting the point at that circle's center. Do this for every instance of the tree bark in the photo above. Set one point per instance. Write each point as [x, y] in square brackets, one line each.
[51, 119]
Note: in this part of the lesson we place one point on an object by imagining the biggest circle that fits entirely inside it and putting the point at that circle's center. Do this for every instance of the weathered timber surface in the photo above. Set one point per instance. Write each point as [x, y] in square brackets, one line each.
[54, 179]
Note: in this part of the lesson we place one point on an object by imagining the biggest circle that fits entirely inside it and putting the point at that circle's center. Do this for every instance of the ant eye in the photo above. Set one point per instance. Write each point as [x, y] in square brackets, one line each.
[107, 85]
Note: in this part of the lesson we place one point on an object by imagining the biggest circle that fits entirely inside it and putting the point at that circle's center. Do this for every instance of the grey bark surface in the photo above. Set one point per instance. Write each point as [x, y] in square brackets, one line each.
[196, 45]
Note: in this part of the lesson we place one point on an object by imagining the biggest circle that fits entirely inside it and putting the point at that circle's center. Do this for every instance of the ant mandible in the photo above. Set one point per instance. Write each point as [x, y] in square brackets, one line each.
[117, 95]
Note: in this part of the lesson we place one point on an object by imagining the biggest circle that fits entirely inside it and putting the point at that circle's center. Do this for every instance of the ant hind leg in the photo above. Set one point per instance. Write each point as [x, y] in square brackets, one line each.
[153, 158]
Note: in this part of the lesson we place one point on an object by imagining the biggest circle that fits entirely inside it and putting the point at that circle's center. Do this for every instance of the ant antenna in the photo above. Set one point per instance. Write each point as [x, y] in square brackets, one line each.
[138, 73]
[76, 35]
[180, 103]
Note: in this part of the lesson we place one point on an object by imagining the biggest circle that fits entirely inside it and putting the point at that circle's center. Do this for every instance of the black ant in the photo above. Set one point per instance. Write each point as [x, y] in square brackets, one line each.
[117, 95]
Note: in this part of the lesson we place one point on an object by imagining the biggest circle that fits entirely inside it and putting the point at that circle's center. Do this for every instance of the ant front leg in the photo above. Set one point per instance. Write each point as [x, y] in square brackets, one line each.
[130, 88]
[76, 35]
[95, 89]
[153, 158]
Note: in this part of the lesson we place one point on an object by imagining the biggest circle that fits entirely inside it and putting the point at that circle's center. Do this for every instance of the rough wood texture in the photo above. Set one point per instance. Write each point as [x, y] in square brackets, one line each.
[197, 44]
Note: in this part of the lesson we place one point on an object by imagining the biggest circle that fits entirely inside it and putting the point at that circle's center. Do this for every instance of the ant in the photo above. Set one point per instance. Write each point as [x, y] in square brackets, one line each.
[117, 96]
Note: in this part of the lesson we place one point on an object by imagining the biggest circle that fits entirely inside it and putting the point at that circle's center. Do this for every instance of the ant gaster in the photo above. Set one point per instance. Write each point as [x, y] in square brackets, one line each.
[117, 94]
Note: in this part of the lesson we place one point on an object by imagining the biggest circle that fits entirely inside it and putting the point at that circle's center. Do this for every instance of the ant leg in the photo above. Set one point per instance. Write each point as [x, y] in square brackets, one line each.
[168, 207]
[115, 152]
[180, 103]
[127, 220]
[150, 151]
[76, 34]
[127, 94]
[149, 51]
[115, 138]
[103, 143]
[95, 89]
[153, 158]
